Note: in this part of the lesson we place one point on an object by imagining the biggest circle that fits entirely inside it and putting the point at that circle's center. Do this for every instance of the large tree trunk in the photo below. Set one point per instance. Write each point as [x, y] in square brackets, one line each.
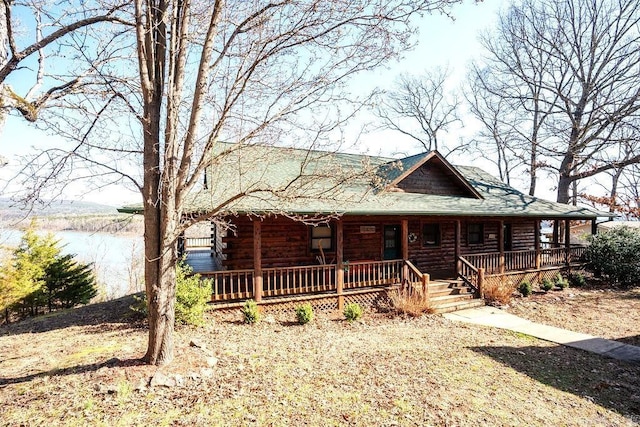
[564, 186]
[161, 309]
[565, 179]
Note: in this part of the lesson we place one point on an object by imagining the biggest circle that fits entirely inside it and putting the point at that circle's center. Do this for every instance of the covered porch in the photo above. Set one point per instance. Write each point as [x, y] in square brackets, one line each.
[269, 279]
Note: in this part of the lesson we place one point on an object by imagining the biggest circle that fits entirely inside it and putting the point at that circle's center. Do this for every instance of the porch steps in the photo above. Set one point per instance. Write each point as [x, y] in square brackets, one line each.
[447, 287]
[457, 305]
[451, 295]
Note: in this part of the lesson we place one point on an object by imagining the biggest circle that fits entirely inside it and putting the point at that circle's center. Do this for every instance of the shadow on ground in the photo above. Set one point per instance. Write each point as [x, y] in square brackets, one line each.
[79, 369]
[610, 383]
[631, 340]
[114, 314]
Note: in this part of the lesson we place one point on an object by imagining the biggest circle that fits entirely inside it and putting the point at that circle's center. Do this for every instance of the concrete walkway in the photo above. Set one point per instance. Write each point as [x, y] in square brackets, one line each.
[491, 316]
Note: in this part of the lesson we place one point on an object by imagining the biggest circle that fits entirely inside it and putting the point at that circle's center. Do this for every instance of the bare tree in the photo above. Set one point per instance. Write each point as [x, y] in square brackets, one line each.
[53, 26]
[250, 72]
[421, 107]
[499, 139]
[506, 95]
[621, 189]
[574, 66]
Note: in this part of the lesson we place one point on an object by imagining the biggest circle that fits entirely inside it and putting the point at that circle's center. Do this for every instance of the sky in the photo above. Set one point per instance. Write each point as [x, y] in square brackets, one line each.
[442, 42]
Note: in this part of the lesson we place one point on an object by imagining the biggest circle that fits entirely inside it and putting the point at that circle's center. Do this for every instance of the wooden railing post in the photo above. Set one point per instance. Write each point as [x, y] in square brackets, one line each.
[567, 241]
[536, 236]
[501, 258]
[457, 247]
[339, 264]
[214, 239]
[481, 282]
[425, 288]
[405, 249]
[257, 260]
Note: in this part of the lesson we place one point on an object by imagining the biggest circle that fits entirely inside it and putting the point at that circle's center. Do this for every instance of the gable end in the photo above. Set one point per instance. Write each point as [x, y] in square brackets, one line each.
[435, 176]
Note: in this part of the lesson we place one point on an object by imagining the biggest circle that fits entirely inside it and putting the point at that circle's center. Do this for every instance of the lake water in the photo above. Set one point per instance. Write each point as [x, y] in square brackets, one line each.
[117, 259]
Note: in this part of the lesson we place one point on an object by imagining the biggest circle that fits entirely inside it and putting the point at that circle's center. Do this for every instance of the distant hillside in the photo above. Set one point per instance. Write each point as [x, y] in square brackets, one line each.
[72, 215]
[9, 209]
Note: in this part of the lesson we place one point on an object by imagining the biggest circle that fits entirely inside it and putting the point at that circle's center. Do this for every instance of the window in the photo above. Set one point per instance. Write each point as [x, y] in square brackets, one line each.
[475, 234]
[321, 237]
[430, 235]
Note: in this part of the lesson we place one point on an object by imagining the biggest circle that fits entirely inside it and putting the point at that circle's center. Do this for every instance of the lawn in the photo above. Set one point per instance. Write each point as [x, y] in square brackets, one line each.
[81, 367]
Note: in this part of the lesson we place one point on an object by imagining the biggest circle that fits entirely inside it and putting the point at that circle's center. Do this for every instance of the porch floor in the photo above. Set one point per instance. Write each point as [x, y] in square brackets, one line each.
[201, 261]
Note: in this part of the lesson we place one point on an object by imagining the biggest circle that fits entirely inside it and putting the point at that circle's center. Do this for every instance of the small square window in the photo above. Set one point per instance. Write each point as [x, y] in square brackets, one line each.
[475, 234]
[430, 235]
[321, 237]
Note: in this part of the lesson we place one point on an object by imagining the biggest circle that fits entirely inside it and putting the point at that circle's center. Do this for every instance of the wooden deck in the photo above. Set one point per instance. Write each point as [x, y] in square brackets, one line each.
[201, 261]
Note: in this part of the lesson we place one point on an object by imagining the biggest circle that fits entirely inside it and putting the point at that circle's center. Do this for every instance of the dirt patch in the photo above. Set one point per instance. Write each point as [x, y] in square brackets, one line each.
[378, 371]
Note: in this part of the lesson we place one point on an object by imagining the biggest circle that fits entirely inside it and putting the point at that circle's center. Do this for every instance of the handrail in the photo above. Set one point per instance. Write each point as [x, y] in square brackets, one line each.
[413, 268]
[469, 273]
[468, 264]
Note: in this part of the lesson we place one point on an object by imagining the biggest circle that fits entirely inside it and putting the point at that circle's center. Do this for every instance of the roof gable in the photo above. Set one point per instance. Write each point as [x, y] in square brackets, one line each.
[429, 173]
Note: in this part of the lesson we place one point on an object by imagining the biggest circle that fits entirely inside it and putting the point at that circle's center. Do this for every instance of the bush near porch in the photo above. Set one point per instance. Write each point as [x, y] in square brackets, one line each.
[614, 254]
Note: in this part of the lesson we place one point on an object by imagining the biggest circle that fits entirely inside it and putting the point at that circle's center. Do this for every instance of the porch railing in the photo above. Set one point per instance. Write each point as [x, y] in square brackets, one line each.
[525, 260]
[363, 274]
[298, 280]
[197, 242]
[230, 284]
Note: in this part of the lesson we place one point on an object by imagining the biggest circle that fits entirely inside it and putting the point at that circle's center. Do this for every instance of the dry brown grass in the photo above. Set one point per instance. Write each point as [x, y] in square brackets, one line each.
[408, 301]
[498, 290]
[81, 368]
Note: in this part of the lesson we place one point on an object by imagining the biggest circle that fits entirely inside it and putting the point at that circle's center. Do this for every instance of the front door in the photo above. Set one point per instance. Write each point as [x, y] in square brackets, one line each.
[508, 237]
[392, 249]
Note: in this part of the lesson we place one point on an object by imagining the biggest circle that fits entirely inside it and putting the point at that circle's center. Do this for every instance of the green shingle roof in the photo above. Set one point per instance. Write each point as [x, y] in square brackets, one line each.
[301, 182]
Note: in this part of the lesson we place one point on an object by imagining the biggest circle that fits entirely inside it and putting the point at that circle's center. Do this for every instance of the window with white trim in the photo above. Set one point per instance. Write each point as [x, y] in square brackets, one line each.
[322, 237]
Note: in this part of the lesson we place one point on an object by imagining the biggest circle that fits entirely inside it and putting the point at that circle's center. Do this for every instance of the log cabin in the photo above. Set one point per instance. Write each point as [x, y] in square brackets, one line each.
[332, 228]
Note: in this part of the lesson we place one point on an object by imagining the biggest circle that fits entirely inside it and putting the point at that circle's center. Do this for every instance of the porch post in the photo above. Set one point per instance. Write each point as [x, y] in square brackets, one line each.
[426, 278]
[339, 263]
[214, 239]
[567, 241]
[457, 247]
[501, 244]
[257, 260]
[182, 249]
[594, 227]
[481, 282]
[405, 248]
[536, 235]
[556, 233]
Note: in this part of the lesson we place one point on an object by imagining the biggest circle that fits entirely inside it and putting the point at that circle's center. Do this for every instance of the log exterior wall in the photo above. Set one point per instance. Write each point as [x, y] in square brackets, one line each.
[217, 244]
[284, 243]
[288, 243]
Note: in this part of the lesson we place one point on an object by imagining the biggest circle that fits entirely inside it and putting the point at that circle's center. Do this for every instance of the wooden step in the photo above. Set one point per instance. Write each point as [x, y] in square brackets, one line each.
[444, 299]
[449, 291]
[439, 288]
[450, 283]
[457, 305]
